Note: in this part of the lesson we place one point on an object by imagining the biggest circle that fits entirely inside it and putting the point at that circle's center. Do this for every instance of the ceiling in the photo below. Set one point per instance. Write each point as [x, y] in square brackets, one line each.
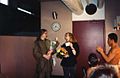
[29, 5]
[76, 6]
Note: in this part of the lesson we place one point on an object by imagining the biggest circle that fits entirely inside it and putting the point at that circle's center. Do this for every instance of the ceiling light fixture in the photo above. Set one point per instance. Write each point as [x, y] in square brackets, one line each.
[23, 10]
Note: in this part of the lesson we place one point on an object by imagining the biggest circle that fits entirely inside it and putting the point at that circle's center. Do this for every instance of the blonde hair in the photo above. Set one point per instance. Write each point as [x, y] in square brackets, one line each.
[72, 38]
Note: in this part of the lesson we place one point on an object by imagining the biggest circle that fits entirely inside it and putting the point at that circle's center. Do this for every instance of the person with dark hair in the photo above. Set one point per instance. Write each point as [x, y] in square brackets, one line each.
[43, 55]
[69, 61]
[93, 62]
[113, 56]
[104, 72]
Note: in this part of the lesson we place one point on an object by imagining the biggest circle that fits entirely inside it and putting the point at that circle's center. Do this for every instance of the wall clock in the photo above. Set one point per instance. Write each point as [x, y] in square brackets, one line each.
[56, 26]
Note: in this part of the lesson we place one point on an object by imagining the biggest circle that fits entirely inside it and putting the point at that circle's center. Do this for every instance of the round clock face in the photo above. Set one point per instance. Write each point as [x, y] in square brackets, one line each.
[56, 26]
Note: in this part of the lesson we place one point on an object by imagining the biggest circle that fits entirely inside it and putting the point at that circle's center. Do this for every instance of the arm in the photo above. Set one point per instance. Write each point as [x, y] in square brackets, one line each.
[38, 54]
[57, 44]
[48, 55]
[91, 70]
[107, 58]
[88, 72]
[36, 51]
[74, 51]
[75, 48]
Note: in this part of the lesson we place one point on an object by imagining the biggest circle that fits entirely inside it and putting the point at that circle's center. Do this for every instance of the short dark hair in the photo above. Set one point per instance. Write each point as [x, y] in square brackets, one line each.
[92, 59]
[104, 72]
[113, 36]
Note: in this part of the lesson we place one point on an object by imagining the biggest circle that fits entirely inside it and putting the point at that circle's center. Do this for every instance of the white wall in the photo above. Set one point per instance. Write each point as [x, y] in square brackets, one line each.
[65, 20]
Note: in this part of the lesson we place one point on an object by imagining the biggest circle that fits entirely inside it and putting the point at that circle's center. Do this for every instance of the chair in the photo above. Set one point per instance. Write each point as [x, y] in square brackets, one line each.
[84, 72]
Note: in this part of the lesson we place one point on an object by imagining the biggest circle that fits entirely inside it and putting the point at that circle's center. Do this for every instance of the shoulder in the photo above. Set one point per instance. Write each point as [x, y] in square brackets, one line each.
[90, 70]
[74, 43]
[63, 45]
[116, 50]
[119, 48]
[47, 40]
[36, 41]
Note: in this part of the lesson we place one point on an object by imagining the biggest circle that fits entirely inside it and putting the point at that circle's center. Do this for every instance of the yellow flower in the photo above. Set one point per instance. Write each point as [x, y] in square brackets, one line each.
[61, 52]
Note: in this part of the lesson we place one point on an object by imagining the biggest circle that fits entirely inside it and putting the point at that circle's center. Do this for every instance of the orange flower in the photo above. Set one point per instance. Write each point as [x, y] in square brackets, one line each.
[61, 52]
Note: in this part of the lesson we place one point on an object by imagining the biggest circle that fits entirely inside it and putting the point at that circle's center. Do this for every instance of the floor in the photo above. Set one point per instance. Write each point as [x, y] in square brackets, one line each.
[57, 77]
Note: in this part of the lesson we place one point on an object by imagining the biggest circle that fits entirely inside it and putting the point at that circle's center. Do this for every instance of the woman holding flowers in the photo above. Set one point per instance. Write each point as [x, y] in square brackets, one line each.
[71, 50]
[43, 52]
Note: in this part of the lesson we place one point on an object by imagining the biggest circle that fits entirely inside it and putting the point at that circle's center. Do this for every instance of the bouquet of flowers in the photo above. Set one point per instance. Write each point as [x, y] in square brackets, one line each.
[61, 52]
[53, 45]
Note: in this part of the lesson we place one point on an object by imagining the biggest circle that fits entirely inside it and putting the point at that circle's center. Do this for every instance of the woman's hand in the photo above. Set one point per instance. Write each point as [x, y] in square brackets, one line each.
[46, 56]
[49, 52]
[66, 55]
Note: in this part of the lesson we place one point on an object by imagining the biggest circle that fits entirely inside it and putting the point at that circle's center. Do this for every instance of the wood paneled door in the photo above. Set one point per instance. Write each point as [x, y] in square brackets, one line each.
[89, 34]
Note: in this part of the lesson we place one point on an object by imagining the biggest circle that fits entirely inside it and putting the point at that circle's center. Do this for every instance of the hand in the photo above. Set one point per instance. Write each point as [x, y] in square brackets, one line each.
[46, 56]
[66, 56]
[49, 52]
[56, 39]
[99, 49]
[57, 44]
